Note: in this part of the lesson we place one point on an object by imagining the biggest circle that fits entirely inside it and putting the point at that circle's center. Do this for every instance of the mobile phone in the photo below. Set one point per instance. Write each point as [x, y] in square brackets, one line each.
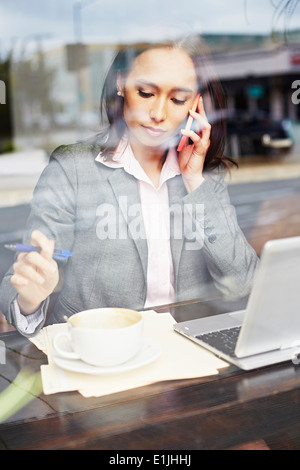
[189, 123]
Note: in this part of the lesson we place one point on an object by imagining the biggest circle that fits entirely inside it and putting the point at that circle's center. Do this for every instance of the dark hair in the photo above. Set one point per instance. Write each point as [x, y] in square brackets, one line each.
[111, 106]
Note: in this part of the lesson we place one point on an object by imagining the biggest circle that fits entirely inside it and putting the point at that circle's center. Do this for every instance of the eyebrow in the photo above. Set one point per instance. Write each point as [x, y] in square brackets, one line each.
[153, 85]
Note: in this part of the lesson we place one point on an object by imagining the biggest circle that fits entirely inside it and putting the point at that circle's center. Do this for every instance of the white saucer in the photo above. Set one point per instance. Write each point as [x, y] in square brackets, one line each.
[150, 351]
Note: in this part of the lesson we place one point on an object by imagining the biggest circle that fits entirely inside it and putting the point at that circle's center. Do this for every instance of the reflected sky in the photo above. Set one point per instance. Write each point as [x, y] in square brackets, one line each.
[131, 20]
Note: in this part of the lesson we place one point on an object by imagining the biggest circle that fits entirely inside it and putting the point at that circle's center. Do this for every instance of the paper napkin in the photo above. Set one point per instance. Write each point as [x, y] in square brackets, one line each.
[181, 358]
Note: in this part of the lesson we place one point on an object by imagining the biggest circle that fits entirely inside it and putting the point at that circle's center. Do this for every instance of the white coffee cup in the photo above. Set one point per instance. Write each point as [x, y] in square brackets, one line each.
[102, 337]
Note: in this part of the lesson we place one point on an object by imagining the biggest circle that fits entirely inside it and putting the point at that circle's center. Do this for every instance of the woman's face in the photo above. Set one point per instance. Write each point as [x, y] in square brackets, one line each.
[158, 93]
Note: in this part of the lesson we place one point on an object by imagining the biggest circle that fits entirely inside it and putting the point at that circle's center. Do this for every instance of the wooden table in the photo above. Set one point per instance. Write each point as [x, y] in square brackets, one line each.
[218, 412]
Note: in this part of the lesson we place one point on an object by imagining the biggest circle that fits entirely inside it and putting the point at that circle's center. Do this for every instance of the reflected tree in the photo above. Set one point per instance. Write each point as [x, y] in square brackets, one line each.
[32, 83]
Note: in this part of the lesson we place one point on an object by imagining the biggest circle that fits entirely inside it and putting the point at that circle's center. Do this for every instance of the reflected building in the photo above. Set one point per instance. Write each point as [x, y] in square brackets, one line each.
[257, 73]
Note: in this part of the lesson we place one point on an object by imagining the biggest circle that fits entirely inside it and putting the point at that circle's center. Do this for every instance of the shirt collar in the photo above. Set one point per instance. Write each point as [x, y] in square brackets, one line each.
[124, 158]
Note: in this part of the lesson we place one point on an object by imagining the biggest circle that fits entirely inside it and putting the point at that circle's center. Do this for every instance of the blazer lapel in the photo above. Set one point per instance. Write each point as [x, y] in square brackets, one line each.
[177, 192]
[126, 191]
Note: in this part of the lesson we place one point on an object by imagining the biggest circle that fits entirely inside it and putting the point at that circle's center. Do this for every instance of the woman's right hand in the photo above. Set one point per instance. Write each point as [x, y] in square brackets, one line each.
[35, 274]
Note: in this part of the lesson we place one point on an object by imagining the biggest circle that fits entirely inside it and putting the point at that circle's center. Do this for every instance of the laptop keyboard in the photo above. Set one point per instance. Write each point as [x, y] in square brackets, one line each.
[223, 340]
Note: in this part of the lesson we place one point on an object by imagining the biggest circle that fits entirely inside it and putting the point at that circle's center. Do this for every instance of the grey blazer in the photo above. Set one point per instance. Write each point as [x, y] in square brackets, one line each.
[78, 198]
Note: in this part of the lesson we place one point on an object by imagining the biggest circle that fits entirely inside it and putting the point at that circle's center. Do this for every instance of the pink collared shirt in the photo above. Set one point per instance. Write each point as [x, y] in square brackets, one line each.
[156, 216]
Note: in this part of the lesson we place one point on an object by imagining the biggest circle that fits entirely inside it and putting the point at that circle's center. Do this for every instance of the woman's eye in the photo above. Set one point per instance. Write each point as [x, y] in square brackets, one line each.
[143, 94]
[180, 102]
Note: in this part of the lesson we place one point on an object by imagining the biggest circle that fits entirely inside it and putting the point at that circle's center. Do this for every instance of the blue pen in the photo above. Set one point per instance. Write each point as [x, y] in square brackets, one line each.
[57, 254]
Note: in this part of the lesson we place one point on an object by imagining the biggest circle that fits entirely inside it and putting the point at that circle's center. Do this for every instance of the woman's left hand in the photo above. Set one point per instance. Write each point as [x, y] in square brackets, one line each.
[191, 158]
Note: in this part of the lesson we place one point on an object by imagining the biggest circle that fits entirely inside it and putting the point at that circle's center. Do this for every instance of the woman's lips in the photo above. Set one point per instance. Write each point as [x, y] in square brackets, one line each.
[153, 132]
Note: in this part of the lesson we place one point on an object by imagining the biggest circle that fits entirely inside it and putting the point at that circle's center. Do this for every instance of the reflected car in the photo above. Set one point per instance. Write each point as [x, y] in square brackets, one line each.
[256, 134]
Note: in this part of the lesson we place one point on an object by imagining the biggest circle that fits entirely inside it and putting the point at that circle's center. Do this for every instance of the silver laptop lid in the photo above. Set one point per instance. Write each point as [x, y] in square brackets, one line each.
[272, 319]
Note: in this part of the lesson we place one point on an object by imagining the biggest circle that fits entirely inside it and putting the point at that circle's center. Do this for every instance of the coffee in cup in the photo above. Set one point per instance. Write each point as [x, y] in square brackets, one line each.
[102, 337]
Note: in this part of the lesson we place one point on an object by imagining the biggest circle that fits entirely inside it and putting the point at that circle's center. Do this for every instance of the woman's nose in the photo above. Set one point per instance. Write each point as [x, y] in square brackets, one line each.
[158, 111]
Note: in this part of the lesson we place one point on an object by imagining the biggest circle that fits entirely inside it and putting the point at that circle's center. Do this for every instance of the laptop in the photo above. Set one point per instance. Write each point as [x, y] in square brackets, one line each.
[268, 330]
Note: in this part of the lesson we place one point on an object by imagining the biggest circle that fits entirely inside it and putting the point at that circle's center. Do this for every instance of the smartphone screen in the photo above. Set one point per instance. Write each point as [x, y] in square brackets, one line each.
[188, 124]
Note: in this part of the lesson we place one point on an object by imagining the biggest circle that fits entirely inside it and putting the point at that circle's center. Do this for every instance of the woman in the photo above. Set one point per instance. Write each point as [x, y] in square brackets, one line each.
[147, 225]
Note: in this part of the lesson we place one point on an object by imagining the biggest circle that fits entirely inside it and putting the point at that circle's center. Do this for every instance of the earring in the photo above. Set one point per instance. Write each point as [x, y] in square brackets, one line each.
[119, 93]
